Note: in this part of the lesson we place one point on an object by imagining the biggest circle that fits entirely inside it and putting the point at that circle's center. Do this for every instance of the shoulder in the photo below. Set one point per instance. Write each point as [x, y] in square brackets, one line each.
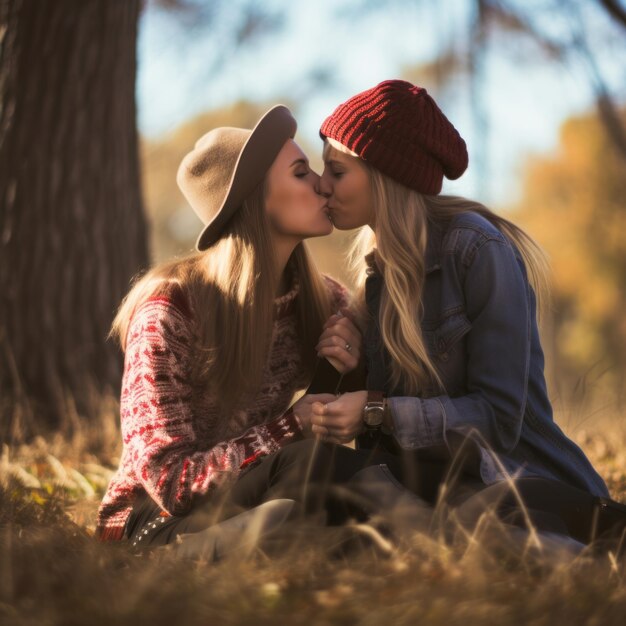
[339, 295]
[468, 233]
[164, 312]
[173, 295]
[475, 225]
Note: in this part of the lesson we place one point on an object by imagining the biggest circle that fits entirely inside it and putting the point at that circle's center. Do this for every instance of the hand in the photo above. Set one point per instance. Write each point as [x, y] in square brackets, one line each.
[303, 408]
[340, 342]
[341, 419]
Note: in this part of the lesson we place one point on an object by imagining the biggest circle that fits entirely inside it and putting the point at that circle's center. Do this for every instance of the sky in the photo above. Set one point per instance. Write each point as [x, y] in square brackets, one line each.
[185, 69]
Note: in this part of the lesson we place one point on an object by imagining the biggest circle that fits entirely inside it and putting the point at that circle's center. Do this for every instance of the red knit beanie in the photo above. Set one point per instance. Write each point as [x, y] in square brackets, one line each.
[399, 129]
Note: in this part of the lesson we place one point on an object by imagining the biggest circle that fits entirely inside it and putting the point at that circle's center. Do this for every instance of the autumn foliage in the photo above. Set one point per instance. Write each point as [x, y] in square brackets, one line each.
[575, 205]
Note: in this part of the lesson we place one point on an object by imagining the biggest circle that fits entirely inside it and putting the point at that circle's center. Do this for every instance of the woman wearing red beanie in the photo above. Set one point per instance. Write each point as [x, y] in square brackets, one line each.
[447, 290]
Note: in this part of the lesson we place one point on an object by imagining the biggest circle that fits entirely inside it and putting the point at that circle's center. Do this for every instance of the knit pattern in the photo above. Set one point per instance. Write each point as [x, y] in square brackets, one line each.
[176, 444]
[400, 130]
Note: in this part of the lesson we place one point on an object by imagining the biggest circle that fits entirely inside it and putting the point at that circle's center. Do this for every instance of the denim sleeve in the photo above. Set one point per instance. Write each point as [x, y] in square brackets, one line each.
[497, 296]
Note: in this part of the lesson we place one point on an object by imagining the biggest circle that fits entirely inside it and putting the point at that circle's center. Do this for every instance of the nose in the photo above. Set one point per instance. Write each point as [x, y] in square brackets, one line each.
[323, 188]
[315, 176]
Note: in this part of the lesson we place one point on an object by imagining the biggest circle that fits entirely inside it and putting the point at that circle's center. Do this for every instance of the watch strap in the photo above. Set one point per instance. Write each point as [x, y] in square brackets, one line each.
[375, 396]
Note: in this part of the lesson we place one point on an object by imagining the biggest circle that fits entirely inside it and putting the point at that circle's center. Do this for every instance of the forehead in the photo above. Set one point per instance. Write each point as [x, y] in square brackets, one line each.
[292, 151]
[330, 155]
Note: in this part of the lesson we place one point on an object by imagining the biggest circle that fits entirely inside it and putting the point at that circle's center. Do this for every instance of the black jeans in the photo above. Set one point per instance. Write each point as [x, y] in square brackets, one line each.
[310, 471]
[306, 471]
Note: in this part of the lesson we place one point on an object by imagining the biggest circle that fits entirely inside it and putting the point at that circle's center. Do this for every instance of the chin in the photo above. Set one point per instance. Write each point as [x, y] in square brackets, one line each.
[320, 231]
[341, 223]
[326, 230]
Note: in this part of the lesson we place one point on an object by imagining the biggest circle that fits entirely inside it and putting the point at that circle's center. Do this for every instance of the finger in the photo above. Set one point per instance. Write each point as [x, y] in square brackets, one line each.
[347, 322]
[319, 408]
[321, 419]
[347, 359]
[330, 434]
[335, 422]
[352, 348]
[340, 334]
[335, 340]
[348, 313]
[344, 322]
[336, 425]
[345, 325]
[337, 330]
[338, 364]
[321, 397]
[320, 431]
[333, 319]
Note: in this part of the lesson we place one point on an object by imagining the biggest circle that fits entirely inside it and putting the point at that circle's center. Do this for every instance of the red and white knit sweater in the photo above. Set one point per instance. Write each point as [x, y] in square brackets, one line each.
[176, 445]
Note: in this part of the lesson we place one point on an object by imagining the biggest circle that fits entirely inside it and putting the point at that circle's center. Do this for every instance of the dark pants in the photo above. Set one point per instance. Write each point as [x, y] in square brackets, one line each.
[306, 471]
[549, 505]
[310, 473]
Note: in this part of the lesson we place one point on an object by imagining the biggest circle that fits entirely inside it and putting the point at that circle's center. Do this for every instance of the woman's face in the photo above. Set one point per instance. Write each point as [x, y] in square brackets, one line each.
[292, 202]
[345, 183]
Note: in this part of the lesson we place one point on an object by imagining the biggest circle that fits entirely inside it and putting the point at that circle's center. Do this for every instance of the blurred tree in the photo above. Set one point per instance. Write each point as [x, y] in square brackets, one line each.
[577, 36]
[71, 218]
[72, 227]
[574, 204]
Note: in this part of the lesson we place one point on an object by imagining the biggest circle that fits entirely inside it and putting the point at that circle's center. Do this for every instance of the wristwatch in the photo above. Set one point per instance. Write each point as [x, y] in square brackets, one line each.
[376, 412]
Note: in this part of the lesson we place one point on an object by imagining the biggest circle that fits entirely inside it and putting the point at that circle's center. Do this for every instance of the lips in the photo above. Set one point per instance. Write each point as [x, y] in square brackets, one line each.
[326, 210]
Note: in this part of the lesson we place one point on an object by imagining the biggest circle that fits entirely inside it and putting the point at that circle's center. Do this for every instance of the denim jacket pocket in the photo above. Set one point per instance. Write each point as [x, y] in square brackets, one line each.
[448, 352]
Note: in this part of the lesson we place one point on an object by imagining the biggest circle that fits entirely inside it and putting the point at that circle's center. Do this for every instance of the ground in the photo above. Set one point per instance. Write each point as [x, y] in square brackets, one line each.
[52, 571]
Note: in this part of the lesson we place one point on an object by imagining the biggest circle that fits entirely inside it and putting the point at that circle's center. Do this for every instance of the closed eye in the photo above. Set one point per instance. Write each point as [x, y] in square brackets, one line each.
[301, 163]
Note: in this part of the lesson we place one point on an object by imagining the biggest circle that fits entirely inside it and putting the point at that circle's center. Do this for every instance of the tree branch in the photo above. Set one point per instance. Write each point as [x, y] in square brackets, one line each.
[615, 10]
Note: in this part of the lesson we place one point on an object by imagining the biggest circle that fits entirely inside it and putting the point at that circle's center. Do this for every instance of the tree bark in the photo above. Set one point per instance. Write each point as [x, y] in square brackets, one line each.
[72, 226]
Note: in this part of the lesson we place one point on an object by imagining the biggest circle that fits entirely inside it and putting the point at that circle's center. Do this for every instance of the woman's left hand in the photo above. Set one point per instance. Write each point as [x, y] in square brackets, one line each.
[340, 342]
[341, 420]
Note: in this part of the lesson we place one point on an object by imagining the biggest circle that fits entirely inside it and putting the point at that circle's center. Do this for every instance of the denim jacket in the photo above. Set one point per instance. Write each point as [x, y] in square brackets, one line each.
[479, 325]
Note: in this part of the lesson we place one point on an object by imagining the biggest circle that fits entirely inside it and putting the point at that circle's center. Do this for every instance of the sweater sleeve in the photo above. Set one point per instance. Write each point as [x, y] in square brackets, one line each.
[339, 295]
[157, 422]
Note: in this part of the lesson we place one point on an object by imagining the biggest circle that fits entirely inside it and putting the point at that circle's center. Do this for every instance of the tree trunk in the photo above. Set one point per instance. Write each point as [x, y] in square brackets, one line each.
[72, 227]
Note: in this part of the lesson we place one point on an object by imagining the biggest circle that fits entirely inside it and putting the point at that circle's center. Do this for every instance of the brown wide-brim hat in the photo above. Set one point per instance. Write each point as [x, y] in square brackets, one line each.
[227, 164]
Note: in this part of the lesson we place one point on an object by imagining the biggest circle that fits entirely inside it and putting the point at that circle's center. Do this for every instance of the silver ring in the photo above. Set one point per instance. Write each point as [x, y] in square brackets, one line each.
[348, 347]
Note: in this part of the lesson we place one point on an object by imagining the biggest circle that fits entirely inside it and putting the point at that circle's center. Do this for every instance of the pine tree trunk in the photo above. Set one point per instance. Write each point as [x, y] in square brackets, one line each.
[72, 227]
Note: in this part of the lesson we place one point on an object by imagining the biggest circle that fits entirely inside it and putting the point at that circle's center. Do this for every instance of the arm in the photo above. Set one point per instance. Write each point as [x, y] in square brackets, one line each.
[498, 306]
[157, 423]
[340, 331]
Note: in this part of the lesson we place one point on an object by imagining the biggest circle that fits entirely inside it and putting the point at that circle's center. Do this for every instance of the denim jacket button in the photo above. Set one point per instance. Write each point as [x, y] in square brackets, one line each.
[445, 356]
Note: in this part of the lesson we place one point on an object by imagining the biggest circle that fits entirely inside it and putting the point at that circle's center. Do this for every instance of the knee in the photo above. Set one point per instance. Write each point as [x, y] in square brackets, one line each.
[306, 448]
[311, 455]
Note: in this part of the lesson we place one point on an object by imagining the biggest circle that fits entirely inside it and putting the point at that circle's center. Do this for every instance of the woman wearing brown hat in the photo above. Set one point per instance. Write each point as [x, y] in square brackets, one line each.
[453, 358]
[217, 343]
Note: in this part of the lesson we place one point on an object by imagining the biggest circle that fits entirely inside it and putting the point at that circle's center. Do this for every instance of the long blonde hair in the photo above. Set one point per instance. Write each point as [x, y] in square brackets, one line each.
[231, 288]
[400, 238]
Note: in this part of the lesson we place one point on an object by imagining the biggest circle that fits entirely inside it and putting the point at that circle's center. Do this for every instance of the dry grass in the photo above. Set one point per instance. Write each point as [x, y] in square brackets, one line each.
[53, 572]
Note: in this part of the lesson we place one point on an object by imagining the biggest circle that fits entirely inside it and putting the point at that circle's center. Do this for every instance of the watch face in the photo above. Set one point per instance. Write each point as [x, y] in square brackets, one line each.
[373, 415]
